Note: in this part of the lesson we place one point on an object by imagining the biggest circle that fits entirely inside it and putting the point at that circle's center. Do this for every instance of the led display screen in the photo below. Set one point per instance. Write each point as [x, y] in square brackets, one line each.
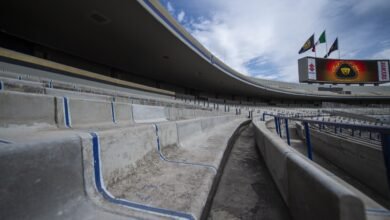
[343, 71]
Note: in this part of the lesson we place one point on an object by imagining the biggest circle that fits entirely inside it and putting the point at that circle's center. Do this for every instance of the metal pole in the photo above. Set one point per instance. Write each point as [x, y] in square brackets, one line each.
[280, 127]
[287, 132]
[308, 142]
[276, 125]
[386, 154]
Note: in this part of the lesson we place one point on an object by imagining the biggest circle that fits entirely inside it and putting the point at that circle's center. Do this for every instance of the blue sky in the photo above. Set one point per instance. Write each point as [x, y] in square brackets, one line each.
[261, 38]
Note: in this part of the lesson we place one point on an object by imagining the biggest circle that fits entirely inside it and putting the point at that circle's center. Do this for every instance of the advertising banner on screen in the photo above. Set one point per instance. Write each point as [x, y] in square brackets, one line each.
[311, 67]
[383, 70]
[343, 71]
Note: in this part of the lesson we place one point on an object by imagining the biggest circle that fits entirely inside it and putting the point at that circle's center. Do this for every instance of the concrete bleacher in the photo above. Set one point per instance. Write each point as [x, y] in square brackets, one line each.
[115, 155]
[131, 164]
[98, 131]
[144, 152]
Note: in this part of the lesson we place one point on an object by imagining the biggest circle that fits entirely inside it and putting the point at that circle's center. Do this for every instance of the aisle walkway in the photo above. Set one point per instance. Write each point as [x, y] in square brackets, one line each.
[246, 190]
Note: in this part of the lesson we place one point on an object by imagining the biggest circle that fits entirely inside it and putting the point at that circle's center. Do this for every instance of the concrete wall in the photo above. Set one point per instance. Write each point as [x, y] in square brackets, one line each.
[17, 109]
[307, 190]
[122, 149]
[88, 112]
[145, 114]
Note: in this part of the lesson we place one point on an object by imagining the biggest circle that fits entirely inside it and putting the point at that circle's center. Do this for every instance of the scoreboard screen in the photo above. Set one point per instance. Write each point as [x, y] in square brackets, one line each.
[343, 71]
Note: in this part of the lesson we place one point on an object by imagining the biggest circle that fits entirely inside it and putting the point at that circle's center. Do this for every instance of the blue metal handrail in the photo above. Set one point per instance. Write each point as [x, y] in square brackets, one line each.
[383, 130]
[351, 132]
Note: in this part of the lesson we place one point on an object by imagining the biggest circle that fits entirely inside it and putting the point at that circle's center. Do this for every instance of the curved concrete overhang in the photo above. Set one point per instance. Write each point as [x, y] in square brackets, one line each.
[142, 38]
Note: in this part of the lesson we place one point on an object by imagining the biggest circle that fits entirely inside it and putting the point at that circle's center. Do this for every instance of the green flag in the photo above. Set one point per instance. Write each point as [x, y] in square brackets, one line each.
[322, 39]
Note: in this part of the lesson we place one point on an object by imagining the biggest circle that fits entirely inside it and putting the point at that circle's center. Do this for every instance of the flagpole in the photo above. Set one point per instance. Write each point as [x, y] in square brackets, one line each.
[315, 49]
[338, 46]
[326, 43]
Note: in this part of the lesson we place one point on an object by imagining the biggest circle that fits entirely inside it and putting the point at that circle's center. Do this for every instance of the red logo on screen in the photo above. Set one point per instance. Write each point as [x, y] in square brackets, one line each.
[311, 67]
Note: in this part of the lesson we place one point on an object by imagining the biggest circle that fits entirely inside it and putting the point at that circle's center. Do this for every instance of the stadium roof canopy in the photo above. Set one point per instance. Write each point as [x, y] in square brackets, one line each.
[139, 37]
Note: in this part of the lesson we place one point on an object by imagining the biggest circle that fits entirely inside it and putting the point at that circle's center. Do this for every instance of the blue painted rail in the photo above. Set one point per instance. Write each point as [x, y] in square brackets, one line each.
[384, 132]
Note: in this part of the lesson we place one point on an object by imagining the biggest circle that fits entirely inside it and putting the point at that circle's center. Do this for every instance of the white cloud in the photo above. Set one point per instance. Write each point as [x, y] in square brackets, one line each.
[384, 54]
[180, 16]
[170, 8]
[239, 32]
[270, 32]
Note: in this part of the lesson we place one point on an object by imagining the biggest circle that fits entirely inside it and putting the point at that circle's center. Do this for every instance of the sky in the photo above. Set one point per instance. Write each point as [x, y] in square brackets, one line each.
[261, 38]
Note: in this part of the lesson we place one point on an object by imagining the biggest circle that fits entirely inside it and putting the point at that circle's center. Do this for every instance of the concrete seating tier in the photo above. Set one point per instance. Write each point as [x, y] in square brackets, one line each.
[122, 169]
[25, 110]
[33, 84]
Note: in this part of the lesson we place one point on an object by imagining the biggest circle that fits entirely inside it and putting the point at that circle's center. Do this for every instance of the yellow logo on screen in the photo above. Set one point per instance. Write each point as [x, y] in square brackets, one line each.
[345, 71]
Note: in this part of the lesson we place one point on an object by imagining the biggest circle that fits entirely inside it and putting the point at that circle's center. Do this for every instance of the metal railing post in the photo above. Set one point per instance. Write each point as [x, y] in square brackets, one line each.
[287, 131]
[386, 154]
[276, 125]
[308, 142]
[280, 127]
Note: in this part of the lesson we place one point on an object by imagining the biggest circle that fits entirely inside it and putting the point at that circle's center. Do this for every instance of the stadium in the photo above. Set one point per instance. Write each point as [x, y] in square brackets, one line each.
[112, 110]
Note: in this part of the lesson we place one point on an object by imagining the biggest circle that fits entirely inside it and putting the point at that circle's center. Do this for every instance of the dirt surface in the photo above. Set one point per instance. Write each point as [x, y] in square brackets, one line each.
[246, 190]
[206, 149]
[166, 185]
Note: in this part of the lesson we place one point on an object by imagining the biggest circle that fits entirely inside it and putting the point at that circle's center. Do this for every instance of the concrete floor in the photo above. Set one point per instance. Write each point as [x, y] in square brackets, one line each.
[246, 189]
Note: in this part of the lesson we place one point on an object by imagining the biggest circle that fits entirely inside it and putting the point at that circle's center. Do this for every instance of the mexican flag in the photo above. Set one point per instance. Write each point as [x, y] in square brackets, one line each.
[320, 40]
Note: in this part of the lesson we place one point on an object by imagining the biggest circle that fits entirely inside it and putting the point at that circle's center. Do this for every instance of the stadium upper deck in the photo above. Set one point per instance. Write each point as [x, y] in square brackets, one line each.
[140, 41]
